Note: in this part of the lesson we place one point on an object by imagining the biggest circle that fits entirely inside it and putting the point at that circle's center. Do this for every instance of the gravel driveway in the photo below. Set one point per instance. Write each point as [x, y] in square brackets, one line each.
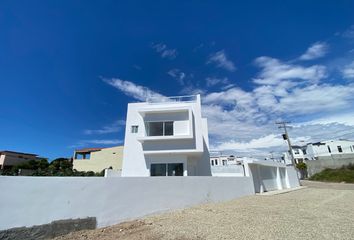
[310, 213]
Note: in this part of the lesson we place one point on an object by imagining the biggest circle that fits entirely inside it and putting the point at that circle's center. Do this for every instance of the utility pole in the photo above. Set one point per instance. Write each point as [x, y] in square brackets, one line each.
[284, 125]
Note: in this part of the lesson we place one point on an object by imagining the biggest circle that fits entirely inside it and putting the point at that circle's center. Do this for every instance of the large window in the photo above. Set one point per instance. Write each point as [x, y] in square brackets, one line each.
[158, 170]
[159, 128]
[340, 149]
[166, 169]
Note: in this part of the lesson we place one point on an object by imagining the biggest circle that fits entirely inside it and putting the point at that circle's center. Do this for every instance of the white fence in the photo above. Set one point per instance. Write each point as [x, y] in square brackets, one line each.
[228, 171]
[29, 201]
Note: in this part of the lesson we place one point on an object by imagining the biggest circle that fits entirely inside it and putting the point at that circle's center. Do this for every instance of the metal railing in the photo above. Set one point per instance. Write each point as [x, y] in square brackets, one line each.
[162, 99]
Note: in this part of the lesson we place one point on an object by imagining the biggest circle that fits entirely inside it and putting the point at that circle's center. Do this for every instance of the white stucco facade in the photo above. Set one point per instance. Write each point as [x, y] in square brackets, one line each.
[328, 148]
[167, 134]
[312, 151]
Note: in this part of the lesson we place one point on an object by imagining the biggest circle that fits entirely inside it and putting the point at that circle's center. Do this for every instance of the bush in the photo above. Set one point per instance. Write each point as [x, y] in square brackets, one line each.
[59, 167]
[301, 166]
[343, 174]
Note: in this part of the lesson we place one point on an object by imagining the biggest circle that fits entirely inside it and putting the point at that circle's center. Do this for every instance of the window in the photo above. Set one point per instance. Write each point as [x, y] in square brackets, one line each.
[169, 169]
[134, 129]
[81, 155]
[159, 128]
[158, 170]
[351, 148]
[212, 162]
[224, 162]
[175, 169]
[216, 162]
[296, 151]
[340, 149]
[304, 151]
[329, 149]
[168, 130]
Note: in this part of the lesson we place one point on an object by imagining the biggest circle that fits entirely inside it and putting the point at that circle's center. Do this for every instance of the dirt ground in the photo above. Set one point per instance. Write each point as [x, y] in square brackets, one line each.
[321, 211]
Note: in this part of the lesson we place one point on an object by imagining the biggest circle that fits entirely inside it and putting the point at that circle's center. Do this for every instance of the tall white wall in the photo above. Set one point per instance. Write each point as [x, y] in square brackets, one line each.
[29, 201]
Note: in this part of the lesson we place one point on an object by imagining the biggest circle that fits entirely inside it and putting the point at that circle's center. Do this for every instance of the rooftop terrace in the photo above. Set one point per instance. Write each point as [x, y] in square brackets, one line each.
[162, 99]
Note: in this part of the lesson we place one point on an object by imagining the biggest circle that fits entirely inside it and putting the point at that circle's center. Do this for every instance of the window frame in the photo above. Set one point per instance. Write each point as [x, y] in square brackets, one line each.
[134, 129]
[167, 169]
[340, 149]
[147, 128]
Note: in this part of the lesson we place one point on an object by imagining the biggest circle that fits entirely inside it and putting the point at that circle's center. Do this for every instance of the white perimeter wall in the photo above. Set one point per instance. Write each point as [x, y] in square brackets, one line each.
[28, 201]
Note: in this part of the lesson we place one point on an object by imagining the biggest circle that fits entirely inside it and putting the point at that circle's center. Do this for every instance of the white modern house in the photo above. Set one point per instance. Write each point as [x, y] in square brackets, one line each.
[299, 153]
[328, 148]
[166, 136]
[312, 151]
[223, 160]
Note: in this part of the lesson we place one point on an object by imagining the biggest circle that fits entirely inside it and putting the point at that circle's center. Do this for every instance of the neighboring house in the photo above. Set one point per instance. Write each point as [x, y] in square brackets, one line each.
[9, 159]
[224, 160]
[226, 166]
[312, 151]
[98, 159]
[299, 153]
[166, 136]
[328, 148]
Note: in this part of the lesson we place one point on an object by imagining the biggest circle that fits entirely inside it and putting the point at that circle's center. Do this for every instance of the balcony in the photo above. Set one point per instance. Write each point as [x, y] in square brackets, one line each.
[167, 124]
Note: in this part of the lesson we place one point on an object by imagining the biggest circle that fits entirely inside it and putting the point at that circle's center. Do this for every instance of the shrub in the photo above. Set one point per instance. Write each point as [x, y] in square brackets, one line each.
[301, 166]
[343, 174]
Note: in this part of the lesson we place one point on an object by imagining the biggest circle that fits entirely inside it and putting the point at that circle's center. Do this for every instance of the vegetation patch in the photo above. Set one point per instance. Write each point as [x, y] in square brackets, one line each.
[58, 167]
[343, 174]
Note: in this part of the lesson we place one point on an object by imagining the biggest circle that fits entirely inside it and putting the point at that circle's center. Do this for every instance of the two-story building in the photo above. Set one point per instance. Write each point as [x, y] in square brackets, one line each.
[329, 148]
[9, 159]
[166, 136]
[312, 151]
[224, 160]
[98, 159]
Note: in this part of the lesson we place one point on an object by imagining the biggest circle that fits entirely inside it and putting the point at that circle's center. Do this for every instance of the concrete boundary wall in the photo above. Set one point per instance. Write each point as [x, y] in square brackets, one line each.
[29, 201]
[335, 161]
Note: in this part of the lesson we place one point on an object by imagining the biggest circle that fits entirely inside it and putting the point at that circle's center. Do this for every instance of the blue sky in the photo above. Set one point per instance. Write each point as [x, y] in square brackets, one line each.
[69, 68]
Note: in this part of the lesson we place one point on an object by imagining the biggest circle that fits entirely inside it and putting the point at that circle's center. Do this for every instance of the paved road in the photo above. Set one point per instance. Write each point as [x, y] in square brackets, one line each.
[321, 211]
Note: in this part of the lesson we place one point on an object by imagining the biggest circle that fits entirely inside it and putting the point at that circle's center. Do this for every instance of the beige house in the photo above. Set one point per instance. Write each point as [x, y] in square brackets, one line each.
[9, 159]
[98, 159]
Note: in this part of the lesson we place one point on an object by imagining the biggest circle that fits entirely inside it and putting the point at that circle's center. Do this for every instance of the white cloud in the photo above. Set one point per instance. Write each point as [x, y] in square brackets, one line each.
[262, 142]
[317, 50]
[220, 60]
[344, 119]
[212, 81]
[164, 51]
[131, 89]
[177, 74]
[274, 71]
[111, 128]
[348, 71]
[349, 33]
[243, 121]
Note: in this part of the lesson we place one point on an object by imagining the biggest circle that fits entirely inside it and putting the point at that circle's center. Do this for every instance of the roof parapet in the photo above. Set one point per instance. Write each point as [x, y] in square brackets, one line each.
[177, 99]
